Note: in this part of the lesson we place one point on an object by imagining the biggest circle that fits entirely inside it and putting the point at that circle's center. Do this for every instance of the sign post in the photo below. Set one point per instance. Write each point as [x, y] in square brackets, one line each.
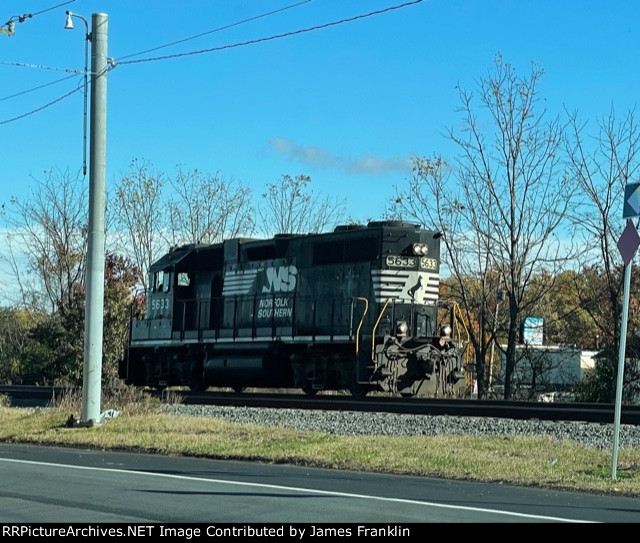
[627, 245]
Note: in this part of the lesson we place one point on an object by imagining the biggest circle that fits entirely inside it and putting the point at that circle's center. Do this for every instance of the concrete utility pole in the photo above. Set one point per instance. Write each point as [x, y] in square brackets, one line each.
[93, 330]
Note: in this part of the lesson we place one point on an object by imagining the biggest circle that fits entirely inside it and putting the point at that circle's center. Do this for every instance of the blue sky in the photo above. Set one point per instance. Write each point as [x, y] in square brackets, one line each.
[347, 104]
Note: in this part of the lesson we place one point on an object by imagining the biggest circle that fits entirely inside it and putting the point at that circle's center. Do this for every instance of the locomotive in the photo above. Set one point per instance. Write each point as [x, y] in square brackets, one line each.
[356, 309]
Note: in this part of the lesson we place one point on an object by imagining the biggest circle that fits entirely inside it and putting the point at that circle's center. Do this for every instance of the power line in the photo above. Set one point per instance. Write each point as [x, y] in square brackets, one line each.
[25, 65]
[219, 29]
[54, 7]
[41, 107]
[36, 88]
[275, 37]
[41, 67]
[24, 17]
[250, 42]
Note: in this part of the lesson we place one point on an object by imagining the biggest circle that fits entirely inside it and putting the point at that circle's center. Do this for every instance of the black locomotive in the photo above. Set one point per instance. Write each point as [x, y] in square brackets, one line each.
[356, 309]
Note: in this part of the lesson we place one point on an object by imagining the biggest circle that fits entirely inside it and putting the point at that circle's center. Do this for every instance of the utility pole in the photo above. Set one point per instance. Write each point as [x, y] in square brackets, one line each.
[93, 331]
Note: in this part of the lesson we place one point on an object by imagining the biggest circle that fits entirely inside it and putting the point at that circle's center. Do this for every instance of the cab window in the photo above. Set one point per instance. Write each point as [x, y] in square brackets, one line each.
[183, 279]
[161, 281]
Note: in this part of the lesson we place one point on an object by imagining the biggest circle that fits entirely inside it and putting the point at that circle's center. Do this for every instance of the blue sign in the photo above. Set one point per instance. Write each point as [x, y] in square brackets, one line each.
[533, 331]
[631, 206]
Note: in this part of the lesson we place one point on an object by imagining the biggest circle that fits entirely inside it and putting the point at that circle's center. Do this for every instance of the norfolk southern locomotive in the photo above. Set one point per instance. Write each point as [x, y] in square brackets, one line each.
[355, 309]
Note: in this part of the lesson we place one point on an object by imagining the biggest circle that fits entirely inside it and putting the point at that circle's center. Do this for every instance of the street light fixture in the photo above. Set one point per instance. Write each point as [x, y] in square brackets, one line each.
[69, 26]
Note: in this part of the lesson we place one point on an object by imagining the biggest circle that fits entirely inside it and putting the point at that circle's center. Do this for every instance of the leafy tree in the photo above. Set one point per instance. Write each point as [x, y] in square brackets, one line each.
[53, 355]
[54, 350]
[119, 305]
[14, 338]
[566, 321]
[600, 385]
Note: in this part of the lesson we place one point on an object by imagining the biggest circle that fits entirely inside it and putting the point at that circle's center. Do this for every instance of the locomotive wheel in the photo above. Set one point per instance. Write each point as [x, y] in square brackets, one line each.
[238, 389]
[309, 390]
[197, 384]
[358, 391]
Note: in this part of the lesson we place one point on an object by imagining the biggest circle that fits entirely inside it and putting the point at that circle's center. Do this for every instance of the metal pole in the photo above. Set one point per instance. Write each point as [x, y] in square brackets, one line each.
[93, 330]
[621, 357]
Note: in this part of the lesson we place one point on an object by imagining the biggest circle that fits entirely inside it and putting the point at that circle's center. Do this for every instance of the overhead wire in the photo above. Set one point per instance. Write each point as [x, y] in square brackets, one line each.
[35, 88]
[21, 19]
[40, 67]
[59, 99]
[226, 27]
[25, 65]
[114, 63]
[25, 16]
[53, 7]
[48, 104]
[274, 37]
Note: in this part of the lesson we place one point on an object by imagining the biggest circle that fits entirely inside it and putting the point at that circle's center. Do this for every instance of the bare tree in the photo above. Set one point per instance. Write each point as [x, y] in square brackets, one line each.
[473, 285]
[208, 209]
[139, 219]
[602, 165]
[290, 207]
[501, 220]
[46, 241]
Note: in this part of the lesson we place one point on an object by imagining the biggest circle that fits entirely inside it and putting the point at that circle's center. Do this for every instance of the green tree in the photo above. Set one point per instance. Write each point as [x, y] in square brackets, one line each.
[53, 355]
[15, 325]
[566, 321]
[600, 385]
[119, 305]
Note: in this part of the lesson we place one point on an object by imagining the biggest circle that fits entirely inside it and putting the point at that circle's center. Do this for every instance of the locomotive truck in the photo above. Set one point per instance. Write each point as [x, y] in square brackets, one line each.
[355, 309]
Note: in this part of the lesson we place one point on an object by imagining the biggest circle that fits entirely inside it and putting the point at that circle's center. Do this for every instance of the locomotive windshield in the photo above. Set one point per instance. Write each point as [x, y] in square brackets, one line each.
[161, 281]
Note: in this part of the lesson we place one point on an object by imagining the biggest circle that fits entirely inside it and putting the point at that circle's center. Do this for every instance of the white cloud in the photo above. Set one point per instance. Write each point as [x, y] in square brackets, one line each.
[322, 158]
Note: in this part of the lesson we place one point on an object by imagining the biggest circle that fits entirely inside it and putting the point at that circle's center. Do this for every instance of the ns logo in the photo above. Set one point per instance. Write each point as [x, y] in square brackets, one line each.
[280, 279]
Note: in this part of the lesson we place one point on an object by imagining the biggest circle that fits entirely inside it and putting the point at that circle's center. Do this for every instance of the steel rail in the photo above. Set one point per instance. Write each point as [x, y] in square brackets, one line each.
[509, 409]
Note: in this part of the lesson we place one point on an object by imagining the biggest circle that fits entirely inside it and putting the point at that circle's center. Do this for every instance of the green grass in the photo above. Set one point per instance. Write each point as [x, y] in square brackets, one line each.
[541, 462]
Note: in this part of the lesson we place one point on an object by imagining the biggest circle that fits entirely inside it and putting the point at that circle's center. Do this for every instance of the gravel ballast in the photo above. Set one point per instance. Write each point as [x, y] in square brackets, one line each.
[599, 436]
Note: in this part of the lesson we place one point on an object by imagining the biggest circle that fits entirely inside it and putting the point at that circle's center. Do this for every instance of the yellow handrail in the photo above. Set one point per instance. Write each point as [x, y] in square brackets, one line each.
[366, 308]
[375, 326]
[458, 319]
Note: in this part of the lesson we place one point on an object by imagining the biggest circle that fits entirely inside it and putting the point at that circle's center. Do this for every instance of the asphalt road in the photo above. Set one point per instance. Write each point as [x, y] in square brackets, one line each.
[60, 485]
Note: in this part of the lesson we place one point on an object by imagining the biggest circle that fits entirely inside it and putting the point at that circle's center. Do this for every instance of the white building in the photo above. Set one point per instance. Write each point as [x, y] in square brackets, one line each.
[547, 369]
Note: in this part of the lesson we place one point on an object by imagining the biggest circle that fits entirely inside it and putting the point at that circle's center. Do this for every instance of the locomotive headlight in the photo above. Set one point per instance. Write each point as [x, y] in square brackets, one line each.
[420, 248]
[401, 329]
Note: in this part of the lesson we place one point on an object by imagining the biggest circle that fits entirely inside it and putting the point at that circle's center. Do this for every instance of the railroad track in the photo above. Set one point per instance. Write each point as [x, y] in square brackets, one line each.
[555, 411]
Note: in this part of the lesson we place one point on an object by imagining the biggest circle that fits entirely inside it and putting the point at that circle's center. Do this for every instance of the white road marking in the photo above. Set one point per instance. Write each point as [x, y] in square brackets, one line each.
[296, 489]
